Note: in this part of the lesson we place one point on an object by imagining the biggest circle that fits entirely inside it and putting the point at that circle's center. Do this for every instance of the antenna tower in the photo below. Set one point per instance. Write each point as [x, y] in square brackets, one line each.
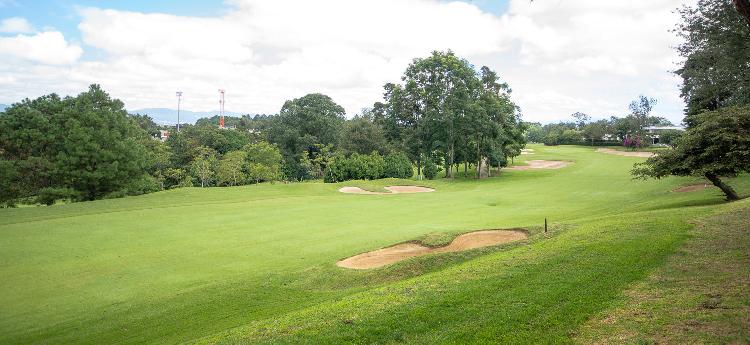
[221, 108]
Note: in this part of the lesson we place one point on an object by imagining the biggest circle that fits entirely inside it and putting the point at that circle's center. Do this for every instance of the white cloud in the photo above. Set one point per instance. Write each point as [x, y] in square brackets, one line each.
[15, 25]
[559, 56]
[49, 48]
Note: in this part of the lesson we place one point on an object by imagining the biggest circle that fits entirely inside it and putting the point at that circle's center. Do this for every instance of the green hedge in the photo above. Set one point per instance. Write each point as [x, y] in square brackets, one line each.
[368, 167]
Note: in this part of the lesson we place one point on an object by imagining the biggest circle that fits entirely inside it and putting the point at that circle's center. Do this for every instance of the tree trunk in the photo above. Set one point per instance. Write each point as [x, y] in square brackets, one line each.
[466, 168]
[727, 189]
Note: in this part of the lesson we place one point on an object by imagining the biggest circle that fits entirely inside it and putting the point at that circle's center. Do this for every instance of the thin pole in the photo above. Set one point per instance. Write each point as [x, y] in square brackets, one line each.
[545, 224]
[179, 96]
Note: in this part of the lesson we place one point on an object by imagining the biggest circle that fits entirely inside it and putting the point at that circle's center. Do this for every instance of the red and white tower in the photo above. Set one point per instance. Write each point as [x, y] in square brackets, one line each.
[221, 108]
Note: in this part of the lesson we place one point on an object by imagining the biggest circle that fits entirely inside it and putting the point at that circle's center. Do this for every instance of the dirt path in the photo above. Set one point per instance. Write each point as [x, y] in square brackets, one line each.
[387, 256]
[390, 189]
[540, 164]
[627, 153]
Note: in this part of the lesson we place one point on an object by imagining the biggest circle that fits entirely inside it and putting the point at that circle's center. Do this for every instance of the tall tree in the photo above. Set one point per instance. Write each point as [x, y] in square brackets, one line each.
[303, 123]
[716, 49]
[230, 170]
[87, 144]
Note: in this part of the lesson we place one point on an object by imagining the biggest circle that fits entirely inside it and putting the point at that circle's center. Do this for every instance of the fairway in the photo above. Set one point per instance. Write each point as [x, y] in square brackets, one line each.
[258, 263]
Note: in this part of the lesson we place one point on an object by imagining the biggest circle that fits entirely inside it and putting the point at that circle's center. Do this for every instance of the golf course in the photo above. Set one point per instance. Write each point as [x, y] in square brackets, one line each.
[622, 260]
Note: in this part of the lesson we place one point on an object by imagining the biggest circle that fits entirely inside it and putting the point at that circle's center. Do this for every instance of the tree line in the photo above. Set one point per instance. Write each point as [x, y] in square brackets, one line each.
[87, 147]
[629, 130]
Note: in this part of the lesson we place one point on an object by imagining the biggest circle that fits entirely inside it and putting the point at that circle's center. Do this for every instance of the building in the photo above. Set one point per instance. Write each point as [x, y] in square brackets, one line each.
[655, 131]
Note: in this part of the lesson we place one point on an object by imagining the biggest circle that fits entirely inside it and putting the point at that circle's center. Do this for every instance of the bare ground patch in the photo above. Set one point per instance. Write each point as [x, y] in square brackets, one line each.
[693, 188]
[627, 153]
[399, 252]
[540, 164]
[390, 189]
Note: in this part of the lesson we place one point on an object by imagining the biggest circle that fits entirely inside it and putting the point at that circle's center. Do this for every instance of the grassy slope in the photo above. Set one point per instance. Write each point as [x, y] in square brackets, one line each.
[185, 264]
[701, 295]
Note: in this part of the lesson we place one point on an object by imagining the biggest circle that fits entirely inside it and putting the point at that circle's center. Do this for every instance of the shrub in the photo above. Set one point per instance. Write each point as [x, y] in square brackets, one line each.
[397, 165]
[48, 196]
[430, 169]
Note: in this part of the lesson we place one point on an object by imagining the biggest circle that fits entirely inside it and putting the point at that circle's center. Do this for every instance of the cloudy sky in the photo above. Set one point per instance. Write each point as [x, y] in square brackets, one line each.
[559, 56]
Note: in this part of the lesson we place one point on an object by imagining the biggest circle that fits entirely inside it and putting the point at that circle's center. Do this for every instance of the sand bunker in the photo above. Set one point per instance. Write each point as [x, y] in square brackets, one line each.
[387, 256]
[627, 153]
[527, 151]
[540, 164]
[390, 189]
[693, 188]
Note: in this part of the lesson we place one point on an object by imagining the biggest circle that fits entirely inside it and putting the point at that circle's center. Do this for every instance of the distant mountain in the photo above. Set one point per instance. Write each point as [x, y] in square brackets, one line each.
[166, 116]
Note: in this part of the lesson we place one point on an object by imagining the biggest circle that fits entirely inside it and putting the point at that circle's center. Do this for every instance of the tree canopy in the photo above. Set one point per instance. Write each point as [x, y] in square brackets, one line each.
[717, 145]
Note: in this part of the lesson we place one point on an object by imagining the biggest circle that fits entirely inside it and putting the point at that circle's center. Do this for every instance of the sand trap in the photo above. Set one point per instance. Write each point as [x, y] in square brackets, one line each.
[627, 153]
[390, 189]
[693, 188]
[403, 251]
[540, 164]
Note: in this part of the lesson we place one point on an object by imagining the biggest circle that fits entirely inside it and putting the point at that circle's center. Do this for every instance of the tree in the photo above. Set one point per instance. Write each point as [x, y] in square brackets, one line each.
[86, 143]
[303, 123]
[363, 136]
[263, 162]
[581, 119]
[716, 48]
[441, 87]
[203, 166]
[718, 145]
[397, 165]
[535, 133]
[595, 130]
[231, 168]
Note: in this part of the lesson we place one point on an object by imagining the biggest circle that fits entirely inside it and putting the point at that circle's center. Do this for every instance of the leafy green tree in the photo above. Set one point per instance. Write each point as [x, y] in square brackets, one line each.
[303, 123]
[203, 166]
[86, 143]
[441, 88]
[263, 162]
[717, 145]
[177, 178]
[231, 169]
[430, 169]
[595, 130]
[535, 133]
[670, 136]
[716, 48]
[146, 123]
[363, 136]
[397, 165]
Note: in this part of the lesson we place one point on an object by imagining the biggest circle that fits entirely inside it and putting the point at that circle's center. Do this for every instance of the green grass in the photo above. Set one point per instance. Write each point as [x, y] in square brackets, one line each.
[257, 263]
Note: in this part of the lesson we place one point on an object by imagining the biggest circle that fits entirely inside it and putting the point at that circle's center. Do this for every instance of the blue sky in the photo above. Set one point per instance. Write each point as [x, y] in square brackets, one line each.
[559, 57]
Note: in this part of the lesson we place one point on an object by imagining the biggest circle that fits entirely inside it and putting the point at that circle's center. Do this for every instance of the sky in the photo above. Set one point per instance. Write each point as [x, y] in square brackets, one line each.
[559, 56]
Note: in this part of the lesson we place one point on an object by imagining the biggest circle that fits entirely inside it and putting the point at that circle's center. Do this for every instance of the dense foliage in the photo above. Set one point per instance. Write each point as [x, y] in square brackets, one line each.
[82, 148]
[716, 48]
[718, 144]
[446, 111]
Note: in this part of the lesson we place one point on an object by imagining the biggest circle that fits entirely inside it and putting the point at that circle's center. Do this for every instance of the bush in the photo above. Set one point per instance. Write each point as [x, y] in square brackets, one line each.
[48, 196]
[430, 169]
[356, 167]
[397, 165]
